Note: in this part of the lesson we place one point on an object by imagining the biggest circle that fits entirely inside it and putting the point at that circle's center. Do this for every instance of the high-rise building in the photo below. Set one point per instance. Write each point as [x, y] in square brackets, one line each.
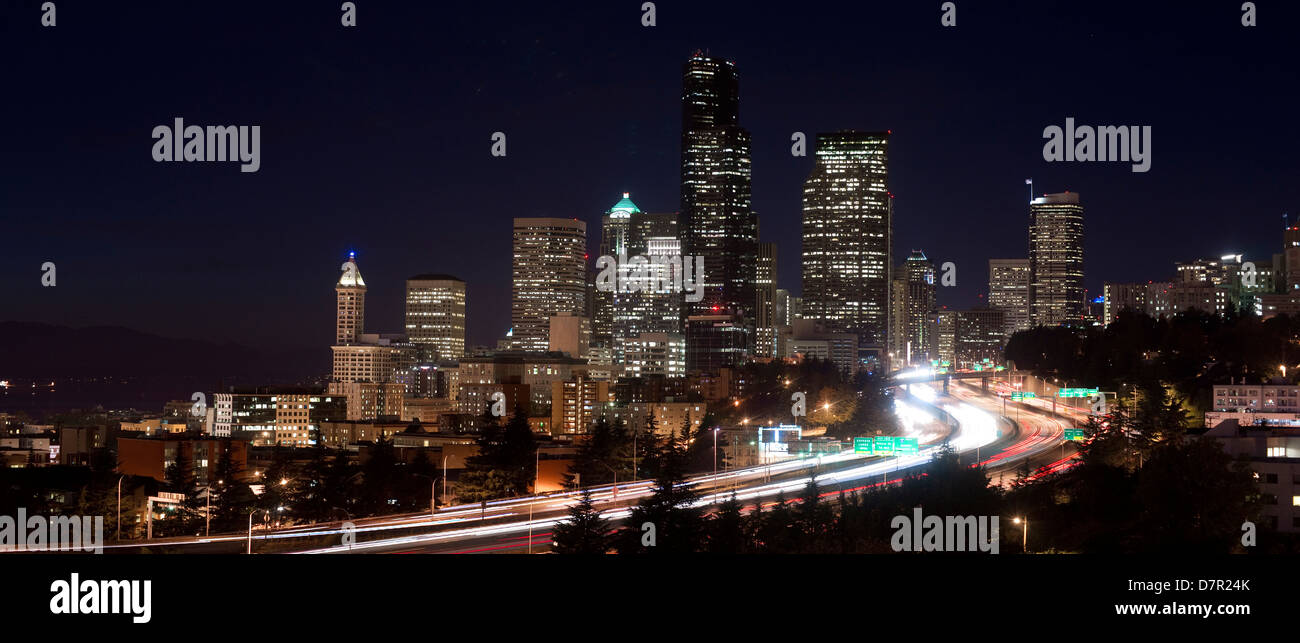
[435, 317]
[1056, 259]
[945, 333]
[765, 320]
[614, 236]
[1291, 257]
[654, 238]
[847, 238]
[549, 276]
[350, 318]
[1009, 292]
[720, 225]
[978, 336]
[919, 275]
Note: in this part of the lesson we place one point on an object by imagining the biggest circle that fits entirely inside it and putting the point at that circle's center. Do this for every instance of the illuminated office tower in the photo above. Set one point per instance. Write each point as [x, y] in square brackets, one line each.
[847, 238]
[765, 321]
[1009, 292]
[435, 316]
[548, 277]
[350, 317]
[614, 237]
[1056, 293]
[919, 277]
[719, 224]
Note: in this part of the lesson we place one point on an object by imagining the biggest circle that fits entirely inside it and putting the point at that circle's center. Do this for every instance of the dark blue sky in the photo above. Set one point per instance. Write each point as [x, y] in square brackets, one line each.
[376, 138]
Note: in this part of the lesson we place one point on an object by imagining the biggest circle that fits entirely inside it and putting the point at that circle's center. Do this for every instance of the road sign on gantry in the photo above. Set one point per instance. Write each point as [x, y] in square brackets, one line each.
[907, 446]
[1075, 435]
[862, 445]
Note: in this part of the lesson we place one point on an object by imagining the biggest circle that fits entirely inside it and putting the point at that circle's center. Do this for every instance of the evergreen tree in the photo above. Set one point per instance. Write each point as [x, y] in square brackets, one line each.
[585, 532]
[678, 525]
[504, 465]
[726, 529]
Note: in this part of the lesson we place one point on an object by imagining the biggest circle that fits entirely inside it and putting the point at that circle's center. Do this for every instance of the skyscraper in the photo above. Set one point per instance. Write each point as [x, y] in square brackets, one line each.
[435, 316]
[350, 316]
[847, 238]
[918, 272]
[548, 277]
[614, 237]
[720, 225]
[1056, 293]
[1009, 292]
[765, 321]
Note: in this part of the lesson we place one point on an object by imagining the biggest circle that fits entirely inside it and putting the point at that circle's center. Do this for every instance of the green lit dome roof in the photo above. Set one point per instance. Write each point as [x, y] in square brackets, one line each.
[624, 208]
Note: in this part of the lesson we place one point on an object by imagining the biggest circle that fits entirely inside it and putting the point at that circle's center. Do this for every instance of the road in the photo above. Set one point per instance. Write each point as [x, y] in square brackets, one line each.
[1000, 444]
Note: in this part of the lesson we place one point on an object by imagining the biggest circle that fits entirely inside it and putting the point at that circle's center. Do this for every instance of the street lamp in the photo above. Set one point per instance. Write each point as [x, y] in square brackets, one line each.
[715, 456]
[249, 550]
[1024, 530]
[119, 507]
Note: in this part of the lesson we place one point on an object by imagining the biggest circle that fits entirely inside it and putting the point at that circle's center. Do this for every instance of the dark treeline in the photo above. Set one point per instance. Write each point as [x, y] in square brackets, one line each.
[1190, 352]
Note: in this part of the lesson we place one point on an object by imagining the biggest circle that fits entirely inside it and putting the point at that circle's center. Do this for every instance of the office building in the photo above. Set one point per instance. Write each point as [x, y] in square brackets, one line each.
[847, 238]
[435, 317]
[549, 277]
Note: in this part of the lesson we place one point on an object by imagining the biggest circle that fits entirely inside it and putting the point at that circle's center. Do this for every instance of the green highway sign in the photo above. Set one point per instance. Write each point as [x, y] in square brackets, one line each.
[1075, 435]
[1076, 392]
[862, 445]
[1025, 395]
[978, 367]
[907, 446]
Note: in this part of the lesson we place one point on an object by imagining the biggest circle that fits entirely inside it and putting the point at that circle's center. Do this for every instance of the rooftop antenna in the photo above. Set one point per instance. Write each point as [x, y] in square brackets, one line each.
[1030, 183]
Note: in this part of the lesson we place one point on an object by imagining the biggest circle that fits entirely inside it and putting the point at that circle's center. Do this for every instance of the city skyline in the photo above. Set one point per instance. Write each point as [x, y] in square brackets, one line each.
[939, 192]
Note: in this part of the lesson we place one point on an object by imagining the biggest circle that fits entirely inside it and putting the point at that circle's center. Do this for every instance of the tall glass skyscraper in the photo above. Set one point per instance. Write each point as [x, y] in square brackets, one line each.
[1056, 292]
[614, 236]
[549, 276]
[719, 223]
[848, 238]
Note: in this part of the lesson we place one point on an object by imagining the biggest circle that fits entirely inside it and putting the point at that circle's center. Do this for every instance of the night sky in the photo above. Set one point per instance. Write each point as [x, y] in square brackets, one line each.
[376, 139]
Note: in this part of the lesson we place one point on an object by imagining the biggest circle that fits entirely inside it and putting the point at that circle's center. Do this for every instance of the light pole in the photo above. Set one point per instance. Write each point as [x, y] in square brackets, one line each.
[537, 475]
[249, 550]
[1024, 531]
[119, 507]
[715, 456]
[444, 480]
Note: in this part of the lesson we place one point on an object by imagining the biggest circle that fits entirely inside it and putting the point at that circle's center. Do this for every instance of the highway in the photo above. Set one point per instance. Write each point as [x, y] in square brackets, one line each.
[1000, 444]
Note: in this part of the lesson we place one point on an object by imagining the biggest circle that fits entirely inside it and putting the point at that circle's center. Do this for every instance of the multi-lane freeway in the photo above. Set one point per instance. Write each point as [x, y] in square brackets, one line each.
[979, 433]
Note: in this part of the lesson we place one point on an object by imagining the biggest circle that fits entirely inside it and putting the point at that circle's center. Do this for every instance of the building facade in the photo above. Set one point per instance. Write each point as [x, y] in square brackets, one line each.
[848, 238]
[1056, 259]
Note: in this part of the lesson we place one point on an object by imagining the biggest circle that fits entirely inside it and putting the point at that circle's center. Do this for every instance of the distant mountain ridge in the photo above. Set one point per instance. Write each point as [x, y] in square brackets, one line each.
[29, 349]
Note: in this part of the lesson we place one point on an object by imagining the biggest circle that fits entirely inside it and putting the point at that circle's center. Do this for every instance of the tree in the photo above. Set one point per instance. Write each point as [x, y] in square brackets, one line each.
[725, 530]
[585, 532]
[677, 523]
[1194, 498]
[233, 498]
[504, 464]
